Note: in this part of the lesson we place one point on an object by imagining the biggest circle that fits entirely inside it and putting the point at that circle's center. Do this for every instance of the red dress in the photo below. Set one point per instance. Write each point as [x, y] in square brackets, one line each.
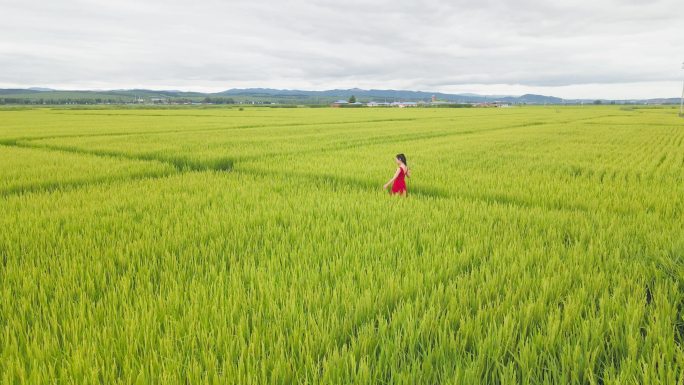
[399, 185]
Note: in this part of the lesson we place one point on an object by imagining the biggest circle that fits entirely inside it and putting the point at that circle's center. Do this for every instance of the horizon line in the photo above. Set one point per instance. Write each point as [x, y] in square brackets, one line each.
[49, 89]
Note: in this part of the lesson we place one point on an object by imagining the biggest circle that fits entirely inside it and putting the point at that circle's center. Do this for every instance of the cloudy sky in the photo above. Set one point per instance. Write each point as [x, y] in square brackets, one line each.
[580, 48]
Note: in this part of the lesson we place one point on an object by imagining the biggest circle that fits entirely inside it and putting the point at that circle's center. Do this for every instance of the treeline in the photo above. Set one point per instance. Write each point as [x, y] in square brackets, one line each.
[40, 101]
[218, 100]
[90, 101]
[451, 105]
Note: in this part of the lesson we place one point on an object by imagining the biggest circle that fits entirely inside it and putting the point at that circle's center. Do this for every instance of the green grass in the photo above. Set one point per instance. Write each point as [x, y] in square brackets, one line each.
[537, 246]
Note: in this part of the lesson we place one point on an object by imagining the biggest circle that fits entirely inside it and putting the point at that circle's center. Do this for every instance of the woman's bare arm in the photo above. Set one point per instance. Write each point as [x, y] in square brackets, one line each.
[396, 175]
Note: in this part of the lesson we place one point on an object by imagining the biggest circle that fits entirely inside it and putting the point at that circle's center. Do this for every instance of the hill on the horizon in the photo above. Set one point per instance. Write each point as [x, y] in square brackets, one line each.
[388, 95]
[38, 95]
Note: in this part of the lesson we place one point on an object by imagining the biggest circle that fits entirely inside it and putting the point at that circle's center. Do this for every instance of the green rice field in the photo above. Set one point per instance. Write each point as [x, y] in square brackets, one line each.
[537, 245]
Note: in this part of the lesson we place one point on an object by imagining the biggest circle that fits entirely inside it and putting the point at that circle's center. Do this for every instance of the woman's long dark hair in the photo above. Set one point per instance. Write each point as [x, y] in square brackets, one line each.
[402, 158]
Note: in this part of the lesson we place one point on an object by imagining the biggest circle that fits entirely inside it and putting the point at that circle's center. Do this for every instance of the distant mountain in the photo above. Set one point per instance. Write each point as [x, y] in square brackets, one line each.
[154, 93]
[12, 91]
[663, 101]
[38, 95]
[390, 95]
[533, 99]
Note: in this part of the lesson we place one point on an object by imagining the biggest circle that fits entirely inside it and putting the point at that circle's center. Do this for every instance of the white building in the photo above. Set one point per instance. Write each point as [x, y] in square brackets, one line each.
[377, 104]
[404, 104]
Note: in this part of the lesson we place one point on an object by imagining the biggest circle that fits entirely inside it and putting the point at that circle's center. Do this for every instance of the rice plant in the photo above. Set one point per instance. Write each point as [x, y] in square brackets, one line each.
[536, 246]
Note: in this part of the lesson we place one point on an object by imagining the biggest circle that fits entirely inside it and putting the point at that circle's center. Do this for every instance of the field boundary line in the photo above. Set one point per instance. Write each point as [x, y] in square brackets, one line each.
[180, 164]
[241, 127]
[77, 184]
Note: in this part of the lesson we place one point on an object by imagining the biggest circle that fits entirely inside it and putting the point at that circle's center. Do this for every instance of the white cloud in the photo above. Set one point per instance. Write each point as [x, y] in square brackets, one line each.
[612, 48]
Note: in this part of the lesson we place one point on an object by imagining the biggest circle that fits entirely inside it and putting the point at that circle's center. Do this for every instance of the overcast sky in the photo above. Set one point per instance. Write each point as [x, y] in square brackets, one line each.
[580, 48]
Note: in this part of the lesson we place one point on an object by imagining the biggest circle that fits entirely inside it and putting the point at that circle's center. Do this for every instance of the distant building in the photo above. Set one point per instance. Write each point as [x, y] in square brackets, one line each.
[339, 103]
[404, 104]
[492, 104]
[377, 104]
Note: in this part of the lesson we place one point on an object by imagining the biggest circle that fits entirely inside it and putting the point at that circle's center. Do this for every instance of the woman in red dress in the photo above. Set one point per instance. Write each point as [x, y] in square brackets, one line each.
[398, 182]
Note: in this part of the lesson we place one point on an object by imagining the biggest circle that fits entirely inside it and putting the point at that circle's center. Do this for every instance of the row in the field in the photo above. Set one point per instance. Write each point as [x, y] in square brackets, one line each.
[42, 123]
[268, 140]
[599, 164]
[45, 123]
[214, 272]
[27, 169]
